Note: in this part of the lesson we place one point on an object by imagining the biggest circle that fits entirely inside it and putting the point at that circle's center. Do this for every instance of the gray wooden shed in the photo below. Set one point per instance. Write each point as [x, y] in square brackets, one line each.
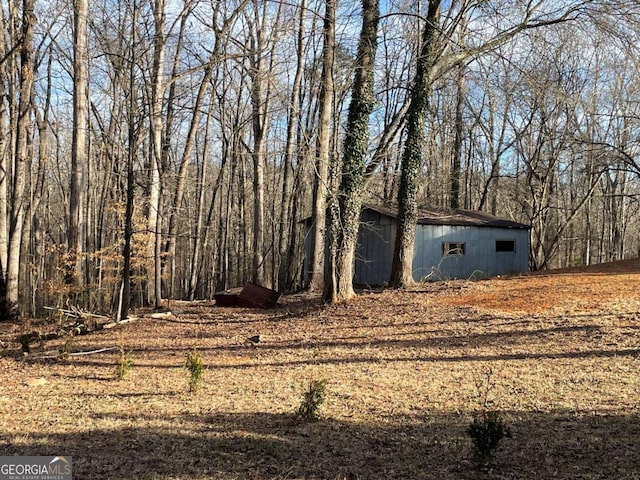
[449, 244]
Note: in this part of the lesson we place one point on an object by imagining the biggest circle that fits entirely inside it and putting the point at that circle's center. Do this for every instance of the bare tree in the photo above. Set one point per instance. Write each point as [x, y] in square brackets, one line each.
[321, 180]
[5, 81]
[435, 60]
[345, 211]
[79, 143]
[19, 196]
[158, 86]
[402, 266]
[293, 125]
[133, 132]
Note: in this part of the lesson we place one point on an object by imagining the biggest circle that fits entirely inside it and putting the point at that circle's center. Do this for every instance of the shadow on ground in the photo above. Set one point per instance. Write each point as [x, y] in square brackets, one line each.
[269, 446]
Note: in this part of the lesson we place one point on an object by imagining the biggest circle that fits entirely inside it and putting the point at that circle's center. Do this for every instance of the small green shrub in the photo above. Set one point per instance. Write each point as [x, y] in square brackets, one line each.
[195, 367]
[312, 398]
[486, 431]
[487, 428]
[124, 363]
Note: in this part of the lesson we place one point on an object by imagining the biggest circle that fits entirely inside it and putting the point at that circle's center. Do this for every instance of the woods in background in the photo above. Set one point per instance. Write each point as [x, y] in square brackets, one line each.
[154, 149]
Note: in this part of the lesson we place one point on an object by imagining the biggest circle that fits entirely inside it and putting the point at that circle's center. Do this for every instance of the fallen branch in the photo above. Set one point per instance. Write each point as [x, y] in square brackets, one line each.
[121, 322]
[75, 312]
[91, 352]
[57, 354]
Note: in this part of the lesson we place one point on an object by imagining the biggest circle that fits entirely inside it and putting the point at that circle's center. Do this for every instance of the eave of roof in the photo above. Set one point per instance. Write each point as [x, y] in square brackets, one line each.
[460, 217]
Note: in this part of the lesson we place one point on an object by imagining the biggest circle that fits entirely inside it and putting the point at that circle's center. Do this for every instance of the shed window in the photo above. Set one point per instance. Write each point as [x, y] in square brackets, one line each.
[452, 248]
[508, 246]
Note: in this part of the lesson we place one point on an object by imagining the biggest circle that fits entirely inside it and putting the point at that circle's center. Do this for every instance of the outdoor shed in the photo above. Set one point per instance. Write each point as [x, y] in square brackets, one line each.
[449, 244]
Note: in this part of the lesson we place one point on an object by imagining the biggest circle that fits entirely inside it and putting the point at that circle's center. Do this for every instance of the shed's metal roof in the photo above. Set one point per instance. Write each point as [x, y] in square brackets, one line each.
[460, 217]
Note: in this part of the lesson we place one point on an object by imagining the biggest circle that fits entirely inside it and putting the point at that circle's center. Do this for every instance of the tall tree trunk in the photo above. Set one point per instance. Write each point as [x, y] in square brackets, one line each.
[259, 123]
[74, 273]
[169, 260]
[125, 291]
[4, 202]
[454, 195]
[4, 168]
[124, 300]
[287, 180]
[155, 186]
[258, 270]
[244, 268]
[402, 266]
[321, 190]
[32, 235]
[345, 216]
[260, 99]
[20, 197]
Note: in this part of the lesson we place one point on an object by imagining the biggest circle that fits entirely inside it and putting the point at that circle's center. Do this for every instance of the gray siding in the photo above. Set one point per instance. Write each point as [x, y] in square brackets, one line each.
[480, 259]
[376, 239]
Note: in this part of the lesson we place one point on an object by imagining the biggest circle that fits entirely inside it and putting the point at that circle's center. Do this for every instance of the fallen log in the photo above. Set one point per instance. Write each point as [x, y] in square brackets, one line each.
[121, 322]
[57, 354]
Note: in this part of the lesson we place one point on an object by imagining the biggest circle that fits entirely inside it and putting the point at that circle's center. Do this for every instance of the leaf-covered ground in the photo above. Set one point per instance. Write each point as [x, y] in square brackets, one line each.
[557, 354]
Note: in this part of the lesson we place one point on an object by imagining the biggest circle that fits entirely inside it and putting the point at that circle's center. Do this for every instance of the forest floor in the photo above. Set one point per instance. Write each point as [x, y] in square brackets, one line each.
[558, 354]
